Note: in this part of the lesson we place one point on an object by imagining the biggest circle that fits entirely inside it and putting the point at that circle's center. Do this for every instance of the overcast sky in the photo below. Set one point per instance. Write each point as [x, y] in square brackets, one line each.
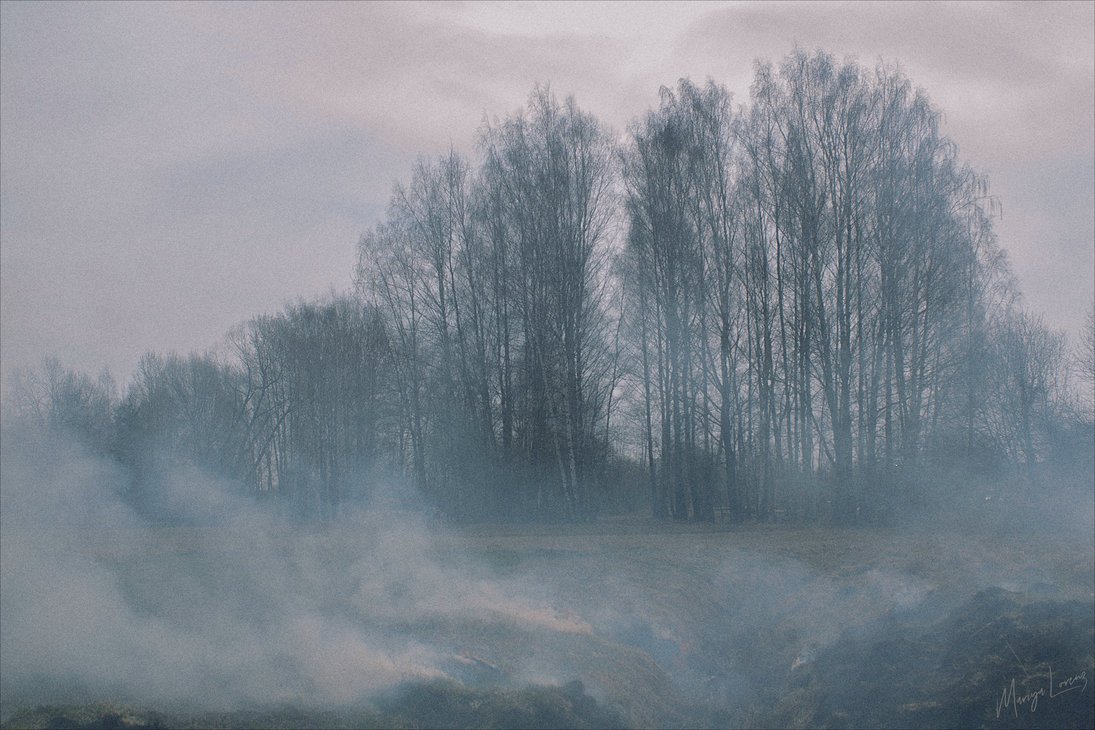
[169, 170]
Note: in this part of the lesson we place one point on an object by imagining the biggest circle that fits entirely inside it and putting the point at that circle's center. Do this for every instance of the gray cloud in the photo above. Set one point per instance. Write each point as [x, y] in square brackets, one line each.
[170, 170]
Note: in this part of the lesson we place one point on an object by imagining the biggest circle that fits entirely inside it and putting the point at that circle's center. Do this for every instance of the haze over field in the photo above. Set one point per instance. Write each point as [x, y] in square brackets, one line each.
[381, 618]
[547, 365]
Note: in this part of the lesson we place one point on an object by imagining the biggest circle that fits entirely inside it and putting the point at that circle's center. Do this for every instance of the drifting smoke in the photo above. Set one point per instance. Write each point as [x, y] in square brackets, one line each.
[97, 602]
[231, 606]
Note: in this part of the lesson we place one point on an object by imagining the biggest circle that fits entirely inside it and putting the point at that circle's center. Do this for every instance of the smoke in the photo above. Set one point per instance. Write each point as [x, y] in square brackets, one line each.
[99, 603]
[231, 606]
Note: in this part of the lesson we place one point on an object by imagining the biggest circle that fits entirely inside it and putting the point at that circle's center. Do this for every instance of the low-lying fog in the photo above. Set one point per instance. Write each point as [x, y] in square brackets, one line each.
[235, 607]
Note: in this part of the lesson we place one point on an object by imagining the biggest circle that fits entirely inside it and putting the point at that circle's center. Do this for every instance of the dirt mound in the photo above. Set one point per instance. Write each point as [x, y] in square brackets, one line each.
[96, 716]
[440, 704]
[997, 661]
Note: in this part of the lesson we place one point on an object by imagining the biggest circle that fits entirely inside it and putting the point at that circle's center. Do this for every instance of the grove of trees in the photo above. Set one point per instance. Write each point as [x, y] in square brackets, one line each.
[793, 309]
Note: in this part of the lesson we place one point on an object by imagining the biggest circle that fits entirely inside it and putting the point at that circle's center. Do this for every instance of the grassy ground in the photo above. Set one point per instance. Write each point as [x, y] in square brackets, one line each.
[629, 622]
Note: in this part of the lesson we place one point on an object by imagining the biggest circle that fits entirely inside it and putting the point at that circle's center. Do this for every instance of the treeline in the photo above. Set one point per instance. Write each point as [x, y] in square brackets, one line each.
[796, 309]
[496, 287]
[823, 313]
[296, 408]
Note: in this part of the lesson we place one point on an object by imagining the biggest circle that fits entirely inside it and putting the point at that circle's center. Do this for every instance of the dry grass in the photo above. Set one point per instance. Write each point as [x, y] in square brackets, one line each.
[663, 624]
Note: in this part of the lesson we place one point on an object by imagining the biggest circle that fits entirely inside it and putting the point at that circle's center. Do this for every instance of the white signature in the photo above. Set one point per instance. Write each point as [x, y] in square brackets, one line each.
[1030, 699]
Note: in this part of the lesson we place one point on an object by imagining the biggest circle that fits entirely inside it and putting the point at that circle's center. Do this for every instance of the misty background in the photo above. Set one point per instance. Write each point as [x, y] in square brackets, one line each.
[170, 171]
[524, 365]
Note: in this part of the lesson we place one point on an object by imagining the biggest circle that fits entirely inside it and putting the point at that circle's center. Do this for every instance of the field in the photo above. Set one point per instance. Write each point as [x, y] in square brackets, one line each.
[387, 620]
